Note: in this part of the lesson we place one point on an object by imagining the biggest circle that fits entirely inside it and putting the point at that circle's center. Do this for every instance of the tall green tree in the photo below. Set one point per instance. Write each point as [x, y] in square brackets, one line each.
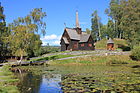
[115, 13]
[131, 21]
[96, 34]
[111, 33]
[126, 17]
[3, 34]
[88, 31]
[24, 38]
[104, 31]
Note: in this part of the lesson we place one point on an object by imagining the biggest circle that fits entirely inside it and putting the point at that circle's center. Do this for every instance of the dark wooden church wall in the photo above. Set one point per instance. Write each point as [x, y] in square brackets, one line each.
[74, 44]
[63, 46]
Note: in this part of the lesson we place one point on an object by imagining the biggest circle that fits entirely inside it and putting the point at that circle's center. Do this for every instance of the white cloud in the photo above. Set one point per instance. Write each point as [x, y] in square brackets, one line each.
[57, 42]
[51, 39]
[44, 43]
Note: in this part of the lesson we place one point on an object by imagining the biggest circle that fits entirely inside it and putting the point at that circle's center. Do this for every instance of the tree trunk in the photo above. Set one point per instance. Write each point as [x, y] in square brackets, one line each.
[21, 57]
[99, 28]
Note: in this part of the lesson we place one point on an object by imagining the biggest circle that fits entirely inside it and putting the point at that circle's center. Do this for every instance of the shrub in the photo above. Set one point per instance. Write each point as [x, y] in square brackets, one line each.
[116, 61]
[135, 55]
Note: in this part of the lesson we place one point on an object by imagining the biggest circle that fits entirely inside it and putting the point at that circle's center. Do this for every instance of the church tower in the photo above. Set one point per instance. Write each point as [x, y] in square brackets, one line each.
[77, 20]
[78, 29]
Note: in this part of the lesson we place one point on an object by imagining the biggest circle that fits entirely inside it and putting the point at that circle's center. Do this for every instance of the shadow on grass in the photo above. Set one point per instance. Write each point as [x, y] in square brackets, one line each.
[124, 48]
[53, 58]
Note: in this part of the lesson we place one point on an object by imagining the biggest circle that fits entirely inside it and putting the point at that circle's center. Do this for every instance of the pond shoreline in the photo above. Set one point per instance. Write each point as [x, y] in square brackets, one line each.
[112, 59]
[74, 76]
[67, 55]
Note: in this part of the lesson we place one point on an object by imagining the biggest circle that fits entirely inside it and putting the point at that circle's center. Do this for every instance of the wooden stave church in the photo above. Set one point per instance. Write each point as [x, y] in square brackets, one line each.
[74, 39]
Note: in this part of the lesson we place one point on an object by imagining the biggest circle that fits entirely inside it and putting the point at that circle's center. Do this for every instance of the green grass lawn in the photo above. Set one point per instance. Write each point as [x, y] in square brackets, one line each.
[7, 81]
[107, 60]
[54, 57]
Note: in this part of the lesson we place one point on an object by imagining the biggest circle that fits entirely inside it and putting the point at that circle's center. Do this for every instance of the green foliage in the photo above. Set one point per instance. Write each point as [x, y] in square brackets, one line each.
[95, 32]
[3, 35]
[131, 21]
[2, 16]
[49, 49]
[115, 12]
[125, 15]
[111, 33]
[104, 31]
[136, 53]
[116, 62]
[88, 31]
[24, 40]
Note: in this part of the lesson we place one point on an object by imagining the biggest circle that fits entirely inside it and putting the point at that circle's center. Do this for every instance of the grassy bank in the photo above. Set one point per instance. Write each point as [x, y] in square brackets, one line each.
[119, 44]
[54, 57]
[7, 81]
[107, 60]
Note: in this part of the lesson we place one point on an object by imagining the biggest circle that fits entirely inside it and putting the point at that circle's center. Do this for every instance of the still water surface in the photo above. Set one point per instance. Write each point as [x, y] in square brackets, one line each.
[50, 85]
[81, 79]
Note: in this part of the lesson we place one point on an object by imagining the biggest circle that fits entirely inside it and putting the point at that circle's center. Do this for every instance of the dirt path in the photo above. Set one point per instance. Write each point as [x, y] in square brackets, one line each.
[98, 54]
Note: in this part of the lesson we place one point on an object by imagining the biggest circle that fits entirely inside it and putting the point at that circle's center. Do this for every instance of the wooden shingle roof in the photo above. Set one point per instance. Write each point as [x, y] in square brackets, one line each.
[84, 37]
[110, 41]
[75, 36]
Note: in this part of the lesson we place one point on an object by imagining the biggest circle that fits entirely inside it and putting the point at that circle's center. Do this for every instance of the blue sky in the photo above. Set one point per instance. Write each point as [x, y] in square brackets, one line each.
[58, 13]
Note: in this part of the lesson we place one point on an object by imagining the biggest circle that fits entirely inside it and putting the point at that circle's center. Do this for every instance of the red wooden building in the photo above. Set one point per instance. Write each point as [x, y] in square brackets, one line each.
[110, 44]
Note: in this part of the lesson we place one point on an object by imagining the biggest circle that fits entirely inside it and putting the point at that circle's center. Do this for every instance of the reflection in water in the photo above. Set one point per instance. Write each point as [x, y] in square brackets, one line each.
[81, 79]
[50, 84]
[30, 83]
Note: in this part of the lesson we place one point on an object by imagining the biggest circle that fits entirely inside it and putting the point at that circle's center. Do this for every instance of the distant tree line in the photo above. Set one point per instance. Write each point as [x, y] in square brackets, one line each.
[123, 23]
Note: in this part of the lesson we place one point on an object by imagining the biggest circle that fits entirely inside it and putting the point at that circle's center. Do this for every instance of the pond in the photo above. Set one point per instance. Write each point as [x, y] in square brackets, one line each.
[81, 79]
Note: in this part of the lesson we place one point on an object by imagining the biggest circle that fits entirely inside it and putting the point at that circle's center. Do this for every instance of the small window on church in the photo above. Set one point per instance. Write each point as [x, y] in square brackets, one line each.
[82, 45]
[90, 45]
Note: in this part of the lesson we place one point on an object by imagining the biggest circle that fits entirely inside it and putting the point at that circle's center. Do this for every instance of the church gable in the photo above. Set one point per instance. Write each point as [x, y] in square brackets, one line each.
[73, 34]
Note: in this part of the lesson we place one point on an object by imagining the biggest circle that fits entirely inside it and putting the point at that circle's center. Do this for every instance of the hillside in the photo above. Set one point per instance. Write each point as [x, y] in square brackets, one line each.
[119, 44]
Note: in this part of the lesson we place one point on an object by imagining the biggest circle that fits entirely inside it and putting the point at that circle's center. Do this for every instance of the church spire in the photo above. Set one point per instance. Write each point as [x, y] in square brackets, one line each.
[77, 20]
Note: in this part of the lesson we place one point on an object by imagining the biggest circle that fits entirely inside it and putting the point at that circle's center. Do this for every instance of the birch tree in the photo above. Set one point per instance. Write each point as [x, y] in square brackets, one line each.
[25, 33]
